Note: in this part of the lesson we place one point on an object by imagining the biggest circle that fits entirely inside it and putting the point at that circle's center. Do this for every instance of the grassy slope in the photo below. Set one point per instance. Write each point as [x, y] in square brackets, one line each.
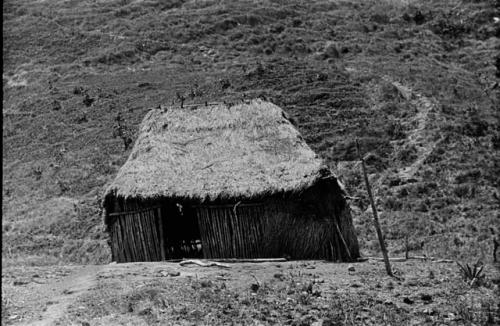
[330, 65]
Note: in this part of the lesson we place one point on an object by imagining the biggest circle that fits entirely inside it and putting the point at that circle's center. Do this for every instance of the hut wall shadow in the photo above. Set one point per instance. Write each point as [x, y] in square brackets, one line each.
[314, 224]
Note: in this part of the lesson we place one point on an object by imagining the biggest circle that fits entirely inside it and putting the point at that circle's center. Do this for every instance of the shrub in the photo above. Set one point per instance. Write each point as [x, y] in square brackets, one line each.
[465, 191]
[407, 154]
[475, 128]
[450, 26]
[375, 162]
[389, 92]
[473, 275]
[468, 176]
[393, 203]
[395, 130]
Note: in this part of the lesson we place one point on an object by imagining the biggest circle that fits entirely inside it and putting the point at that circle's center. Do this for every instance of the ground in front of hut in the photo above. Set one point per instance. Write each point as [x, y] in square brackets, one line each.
[292, 293]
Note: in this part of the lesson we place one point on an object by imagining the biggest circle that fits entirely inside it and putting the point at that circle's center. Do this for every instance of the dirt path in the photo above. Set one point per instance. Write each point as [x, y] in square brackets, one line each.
[418, 136]
[58, 295]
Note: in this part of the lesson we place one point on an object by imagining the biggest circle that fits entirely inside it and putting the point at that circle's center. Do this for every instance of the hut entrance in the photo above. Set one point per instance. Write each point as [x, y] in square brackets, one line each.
[181, 235]
[168, 230]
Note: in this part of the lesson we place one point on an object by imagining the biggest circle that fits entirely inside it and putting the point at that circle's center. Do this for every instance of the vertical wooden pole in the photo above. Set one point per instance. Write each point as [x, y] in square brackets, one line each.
[162, 238]
[155, 243]
[139, 218]
[114, 242]
[209, 232]
[148, 230]
[123, 249]
[346, 247]
[407, 247]
[375, 215]
[201, 227]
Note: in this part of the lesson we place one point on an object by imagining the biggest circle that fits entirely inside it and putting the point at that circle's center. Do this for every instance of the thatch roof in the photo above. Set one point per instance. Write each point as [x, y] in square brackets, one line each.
[217, 152]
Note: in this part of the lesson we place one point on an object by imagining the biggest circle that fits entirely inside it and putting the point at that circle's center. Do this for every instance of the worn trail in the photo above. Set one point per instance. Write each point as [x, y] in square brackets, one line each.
[59, 295]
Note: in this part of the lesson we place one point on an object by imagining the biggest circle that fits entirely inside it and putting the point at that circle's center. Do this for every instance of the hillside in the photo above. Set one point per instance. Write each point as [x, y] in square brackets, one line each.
[415, 81]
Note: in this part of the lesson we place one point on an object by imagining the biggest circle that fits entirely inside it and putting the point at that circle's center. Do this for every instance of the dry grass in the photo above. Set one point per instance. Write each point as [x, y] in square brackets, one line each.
[300, 293]
[217, 152]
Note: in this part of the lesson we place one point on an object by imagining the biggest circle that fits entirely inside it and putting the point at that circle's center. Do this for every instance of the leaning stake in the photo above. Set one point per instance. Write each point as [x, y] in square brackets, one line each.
[375, 216]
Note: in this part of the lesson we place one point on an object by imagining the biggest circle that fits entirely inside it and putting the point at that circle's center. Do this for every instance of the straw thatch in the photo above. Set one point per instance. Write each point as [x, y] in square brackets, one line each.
[217, 152]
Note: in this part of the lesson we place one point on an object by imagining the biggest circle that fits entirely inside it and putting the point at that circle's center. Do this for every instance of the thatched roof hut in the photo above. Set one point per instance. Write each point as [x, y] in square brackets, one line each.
[219, 181]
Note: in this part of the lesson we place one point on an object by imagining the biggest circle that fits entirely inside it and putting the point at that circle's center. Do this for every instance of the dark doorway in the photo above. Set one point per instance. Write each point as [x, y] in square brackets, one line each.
[180, 231]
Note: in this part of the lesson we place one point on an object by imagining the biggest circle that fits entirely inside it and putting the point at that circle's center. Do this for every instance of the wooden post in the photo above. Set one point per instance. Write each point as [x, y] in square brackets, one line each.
[162, 238]
[375, 215]
[343, 242]
[407, 247]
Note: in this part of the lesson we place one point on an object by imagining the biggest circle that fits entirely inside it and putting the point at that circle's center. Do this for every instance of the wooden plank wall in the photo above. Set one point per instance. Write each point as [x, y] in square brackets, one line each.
[135, 235]
[267, 230]
[251, 230]
[231, 232]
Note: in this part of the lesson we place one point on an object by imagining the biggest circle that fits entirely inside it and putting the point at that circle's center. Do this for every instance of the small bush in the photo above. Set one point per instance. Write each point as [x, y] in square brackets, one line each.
[225, 25]
[468, 176]
[395, 130]
[37, 172]
[407, 155]
[380, 18]
[331, 51]
[393, 203]
[390, 107]
[389, 92]
[375, 162]
[435, 156]
[475, 128]
[449, 26]
[472, 274]
[465, 191]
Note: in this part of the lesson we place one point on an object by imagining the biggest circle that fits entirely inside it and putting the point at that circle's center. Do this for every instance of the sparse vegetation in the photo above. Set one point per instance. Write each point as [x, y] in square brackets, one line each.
[307, 293]
[472, 274]
[121, 131]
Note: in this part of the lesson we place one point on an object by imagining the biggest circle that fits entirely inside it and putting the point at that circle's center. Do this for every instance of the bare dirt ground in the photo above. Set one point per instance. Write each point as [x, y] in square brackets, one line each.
[292, 293]
[44, 292]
